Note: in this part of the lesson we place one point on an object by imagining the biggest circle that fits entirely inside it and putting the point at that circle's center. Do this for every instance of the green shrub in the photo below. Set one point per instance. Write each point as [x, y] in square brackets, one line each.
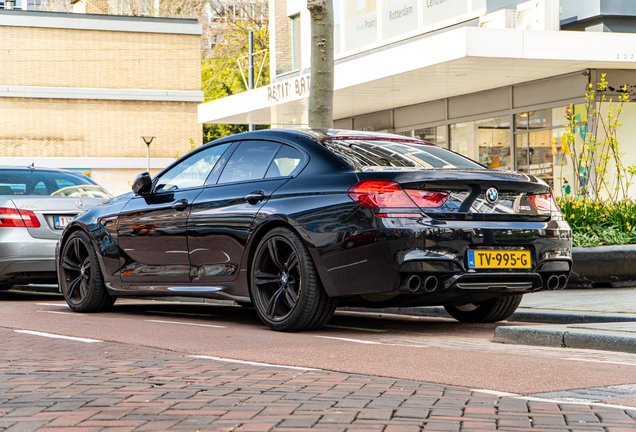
[600, 223]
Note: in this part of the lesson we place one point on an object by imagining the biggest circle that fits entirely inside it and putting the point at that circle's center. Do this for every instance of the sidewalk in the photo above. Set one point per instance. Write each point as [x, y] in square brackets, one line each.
[601, 319]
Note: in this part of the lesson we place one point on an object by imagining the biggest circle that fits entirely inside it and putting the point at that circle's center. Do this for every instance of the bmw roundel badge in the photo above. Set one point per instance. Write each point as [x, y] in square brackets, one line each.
[492, 195]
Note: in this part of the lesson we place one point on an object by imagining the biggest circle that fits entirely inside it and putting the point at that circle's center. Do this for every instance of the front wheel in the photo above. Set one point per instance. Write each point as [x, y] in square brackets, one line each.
[284, 285]
[488, 311]
[81, 280]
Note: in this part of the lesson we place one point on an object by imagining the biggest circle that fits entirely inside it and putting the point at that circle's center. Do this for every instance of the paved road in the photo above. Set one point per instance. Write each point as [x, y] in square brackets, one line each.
[428, 349]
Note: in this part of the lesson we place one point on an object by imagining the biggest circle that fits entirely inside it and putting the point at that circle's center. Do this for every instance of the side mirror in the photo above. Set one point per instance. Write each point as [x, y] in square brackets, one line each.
[142, 184]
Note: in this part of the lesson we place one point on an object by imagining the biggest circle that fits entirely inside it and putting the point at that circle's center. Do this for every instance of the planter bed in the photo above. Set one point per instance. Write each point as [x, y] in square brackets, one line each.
[603, 267]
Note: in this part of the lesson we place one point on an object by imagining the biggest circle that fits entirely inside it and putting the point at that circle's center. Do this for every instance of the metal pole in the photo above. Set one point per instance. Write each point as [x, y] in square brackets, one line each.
[148, 157]
[251, 68]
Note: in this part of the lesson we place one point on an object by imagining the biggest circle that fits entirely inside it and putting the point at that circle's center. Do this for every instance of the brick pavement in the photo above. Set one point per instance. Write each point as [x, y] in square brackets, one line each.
[61, 385]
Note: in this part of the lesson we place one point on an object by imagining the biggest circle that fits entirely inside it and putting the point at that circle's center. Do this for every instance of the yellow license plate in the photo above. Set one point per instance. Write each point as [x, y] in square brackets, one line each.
[498, 259]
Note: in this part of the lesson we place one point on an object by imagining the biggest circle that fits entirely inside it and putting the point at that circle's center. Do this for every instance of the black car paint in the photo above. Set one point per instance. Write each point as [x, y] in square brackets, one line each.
[316, 204]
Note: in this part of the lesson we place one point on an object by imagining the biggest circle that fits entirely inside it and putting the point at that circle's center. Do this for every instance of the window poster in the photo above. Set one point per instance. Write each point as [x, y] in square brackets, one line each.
[398, 17]
[361, 23]
[436, 11]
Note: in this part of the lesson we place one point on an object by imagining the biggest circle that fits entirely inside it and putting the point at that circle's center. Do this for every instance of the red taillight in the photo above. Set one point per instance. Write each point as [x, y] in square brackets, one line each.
[427, 199]
[380, 194]
[18, 218]
[546, 203]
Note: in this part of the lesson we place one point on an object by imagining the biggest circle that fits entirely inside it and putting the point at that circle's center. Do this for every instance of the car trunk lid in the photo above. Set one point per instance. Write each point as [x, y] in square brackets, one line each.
[464, 195]
[52, 213]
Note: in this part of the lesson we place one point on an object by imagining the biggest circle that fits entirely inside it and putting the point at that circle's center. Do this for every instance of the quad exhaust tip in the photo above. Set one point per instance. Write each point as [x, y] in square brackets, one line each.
[430, 284]
[563, 281]
[553, 283]
[414, 283]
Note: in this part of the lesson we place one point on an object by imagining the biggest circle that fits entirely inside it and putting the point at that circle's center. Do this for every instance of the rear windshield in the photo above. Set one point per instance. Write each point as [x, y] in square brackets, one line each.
[383, 155]
[49, 183]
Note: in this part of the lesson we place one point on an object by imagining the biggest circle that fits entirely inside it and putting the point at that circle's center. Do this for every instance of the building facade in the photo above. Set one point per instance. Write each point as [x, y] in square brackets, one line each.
[490, 79]
[79, 91]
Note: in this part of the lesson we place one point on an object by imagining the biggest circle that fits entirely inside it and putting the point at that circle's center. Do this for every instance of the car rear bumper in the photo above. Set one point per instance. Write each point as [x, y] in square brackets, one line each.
[409, 247]
[24, 259]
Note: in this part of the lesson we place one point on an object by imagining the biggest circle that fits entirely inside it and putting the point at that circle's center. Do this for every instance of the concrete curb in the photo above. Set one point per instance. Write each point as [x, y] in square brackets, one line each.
[565, 336]
[603, 266]
[521, 315]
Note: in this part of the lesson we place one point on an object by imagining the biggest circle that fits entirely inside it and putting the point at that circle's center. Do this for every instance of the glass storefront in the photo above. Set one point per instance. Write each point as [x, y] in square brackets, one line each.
[535, 145]
[486, 141]
[538, 146]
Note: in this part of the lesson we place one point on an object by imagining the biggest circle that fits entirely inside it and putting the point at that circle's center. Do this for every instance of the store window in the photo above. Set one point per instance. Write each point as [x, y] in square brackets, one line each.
[493, 142]
[486, 141]
[433, 135]
[462, 138]
[537, 138]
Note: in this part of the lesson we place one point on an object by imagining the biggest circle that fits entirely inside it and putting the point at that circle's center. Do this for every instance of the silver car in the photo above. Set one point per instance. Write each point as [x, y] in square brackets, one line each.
[35, 206]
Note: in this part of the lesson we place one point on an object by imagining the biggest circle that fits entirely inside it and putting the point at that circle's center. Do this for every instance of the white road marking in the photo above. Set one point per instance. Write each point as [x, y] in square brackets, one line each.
[226, 360]
[599, 361]
[351, 340]
[54, 336]
[356, 328]
[562, 402]
[62, 313]
[52, 304]
[184, 323]
[495, 393]
[178, 313]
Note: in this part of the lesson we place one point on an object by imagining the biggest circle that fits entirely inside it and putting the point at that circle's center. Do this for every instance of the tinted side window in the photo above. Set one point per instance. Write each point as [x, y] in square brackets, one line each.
[192, 171]
[249, 161]
[286, 163]
[366, 155]
[51, 183]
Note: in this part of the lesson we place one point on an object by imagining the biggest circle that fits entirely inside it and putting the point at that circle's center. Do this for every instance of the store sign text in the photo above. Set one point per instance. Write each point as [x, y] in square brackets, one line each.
[288, 90]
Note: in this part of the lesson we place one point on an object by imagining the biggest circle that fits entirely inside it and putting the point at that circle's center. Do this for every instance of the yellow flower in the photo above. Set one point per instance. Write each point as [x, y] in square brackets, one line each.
[571, 216]
[588, 228]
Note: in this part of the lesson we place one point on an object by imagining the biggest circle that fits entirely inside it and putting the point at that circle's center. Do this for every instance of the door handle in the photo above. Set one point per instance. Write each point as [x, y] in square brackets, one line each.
[255, 197]
[180, 205]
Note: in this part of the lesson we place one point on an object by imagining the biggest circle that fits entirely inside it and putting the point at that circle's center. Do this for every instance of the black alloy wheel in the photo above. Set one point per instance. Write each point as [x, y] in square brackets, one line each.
[488, 311]
[81, 280]
[284, 285]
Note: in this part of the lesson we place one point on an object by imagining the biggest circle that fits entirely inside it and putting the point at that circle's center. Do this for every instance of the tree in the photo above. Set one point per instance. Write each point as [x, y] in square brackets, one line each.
[224, 67]
[322, 64]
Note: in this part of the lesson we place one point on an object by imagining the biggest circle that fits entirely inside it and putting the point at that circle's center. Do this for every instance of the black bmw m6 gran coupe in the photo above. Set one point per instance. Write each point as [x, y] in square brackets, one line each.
[297, 222]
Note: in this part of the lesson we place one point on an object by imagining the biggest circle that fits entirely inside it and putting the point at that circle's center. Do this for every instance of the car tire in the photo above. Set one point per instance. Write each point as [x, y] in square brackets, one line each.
[5, 287]
[284, 284]
[489, 311]
[80, 277]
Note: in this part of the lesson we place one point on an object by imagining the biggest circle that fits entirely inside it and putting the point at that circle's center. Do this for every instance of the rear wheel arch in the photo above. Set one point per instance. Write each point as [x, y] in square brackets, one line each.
[284, 285]
[266, 227]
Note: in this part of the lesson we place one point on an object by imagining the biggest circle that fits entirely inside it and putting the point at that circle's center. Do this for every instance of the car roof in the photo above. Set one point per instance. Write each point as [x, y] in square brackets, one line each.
[314, 134]
[33, 168]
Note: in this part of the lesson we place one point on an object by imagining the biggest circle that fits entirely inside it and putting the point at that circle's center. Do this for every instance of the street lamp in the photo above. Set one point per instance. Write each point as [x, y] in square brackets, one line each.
[148, 140]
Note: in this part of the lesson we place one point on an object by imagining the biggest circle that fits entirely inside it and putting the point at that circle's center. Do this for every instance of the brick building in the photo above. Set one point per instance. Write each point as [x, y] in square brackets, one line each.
[78, 91]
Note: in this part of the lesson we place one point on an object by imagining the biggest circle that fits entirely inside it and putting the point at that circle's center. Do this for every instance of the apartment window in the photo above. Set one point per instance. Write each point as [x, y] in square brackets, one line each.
[295, 31]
